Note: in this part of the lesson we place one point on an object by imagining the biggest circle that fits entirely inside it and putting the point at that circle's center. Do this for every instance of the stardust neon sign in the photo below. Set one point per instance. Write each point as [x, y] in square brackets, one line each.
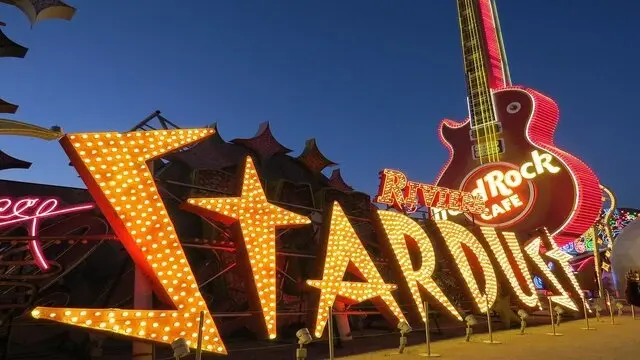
[31, 211]
[507, 189]
[114, 168]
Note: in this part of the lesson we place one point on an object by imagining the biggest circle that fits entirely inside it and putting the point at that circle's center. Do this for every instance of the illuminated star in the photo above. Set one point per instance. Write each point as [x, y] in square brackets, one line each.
[258, 221]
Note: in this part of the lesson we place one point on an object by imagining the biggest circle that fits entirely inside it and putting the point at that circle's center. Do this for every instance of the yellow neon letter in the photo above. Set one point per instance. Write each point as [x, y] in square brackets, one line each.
[392, 184]
[343, 246]
[455, 237]
[533, 250]
[114, 168]
[498, 250]
[396, 226]
[562, 258]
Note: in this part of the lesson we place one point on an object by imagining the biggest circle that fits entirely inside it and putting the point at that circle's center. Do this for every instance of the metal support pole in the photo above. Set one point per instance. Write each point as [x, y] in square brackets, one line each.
[489, 323]
[427, 332]
[331, 333]
[490, 341]
[200, 327]
[553, 323]
[613, 320]
[586, 315]
[426, 328]
[596, 260]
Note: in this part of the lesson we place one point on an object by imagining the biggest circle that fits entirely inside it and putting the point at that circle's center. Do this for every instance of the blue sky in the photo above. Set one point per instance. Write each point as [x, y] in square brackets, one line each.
[370, 80]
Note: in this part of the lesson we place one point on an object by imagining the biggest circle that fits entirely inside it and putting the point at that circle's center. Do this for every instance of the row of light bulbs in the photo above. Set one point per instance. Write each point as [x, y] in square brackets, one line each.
[114, 168]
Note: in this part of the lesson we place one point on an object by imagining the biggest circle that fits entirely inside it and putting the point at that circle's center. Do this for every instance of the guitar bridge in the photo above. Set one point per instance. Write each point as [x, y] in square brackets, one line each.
[487, 148]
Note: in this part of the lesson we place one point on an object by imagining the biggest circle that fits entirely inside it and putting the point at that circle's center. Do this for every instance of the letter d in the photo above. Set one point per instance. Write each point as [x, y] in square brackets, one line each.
[480, 190]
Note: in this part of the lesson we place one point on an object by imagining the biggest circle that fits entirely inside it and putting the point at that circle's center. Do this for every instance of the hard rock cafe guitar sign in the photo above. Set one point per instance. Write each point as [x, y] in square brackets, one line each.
[505, 151]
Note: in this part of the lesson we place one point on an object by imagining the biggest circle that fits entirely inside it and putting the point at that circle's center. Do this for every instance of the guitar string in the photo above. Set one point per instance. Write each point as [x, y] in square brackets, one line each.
[494, 115]
[491, 139]
[462, 15]
[465, 40]
[488, 116]
[473, 82]
[483, 145]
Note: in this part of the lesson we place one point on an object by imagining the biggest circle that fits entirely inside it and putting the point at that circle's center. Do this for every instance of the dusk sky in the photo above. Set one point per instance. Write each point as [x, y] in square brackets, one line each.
[370, 80]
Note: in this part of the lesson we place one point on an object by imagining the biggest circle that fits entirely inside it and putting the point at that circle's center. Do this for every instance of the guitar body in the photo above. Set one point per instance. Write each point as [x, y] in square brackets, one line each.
[556, 190]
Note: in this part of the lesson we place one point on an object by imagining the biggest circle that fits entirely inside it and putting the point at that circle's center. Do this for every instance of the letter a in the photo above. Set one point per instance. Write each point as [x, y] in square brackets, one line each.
[455, 236]
[344, 246]
[396, 226]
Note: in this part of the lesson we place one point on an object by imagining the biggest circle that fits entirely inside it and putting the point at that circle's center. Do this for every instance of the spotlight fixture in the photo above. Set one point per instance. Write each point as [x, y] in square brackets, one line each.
[523, 322]
[404, 328]
[470, 320]
[304, 338]
[619, 306]
[559, 311]
[180, 348]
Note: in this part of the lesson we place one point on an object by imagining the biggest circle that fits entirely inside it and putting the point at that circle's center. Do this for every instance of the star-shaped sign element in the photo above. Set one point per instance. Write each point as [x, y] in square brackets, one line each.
[258, 220]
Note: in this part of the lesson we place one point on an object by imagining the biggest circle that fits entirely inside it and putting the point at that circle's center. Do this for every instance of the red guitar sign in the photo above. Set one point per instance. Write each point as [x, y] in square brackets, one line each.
[505, 150]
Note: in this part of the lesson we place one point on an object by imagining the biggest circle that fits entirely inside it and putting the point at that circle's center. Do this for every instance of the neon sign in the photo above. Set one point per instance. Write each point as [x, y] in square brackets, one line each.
[259, 236]
[31, 212]
[507, 189]
[404, 195]
[342, 248]
[114, 168]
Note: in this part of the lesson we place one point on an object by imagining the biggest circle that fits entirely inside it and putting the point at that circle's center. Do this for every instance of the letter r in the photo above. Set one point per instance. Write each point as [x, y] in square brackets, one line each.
[543, 161]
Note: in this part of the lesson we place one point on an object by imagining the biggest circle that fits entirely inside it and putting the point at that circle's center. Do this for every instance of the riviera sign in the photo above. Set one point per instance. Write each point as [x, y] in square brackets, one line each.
[114, 168]
[404, 195]
[31, 211]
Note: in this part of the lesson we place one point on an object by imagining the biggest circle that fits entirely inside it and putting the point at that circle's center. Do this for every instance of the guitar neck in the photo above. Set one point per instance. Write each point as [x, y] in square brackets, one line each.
[484, 61]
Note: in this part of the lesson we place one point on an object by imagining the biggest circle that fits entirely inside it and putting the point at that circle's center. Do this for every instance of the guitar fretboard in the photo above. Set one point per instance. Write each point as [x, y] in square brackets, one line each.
[485, 69]
[475, 59]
